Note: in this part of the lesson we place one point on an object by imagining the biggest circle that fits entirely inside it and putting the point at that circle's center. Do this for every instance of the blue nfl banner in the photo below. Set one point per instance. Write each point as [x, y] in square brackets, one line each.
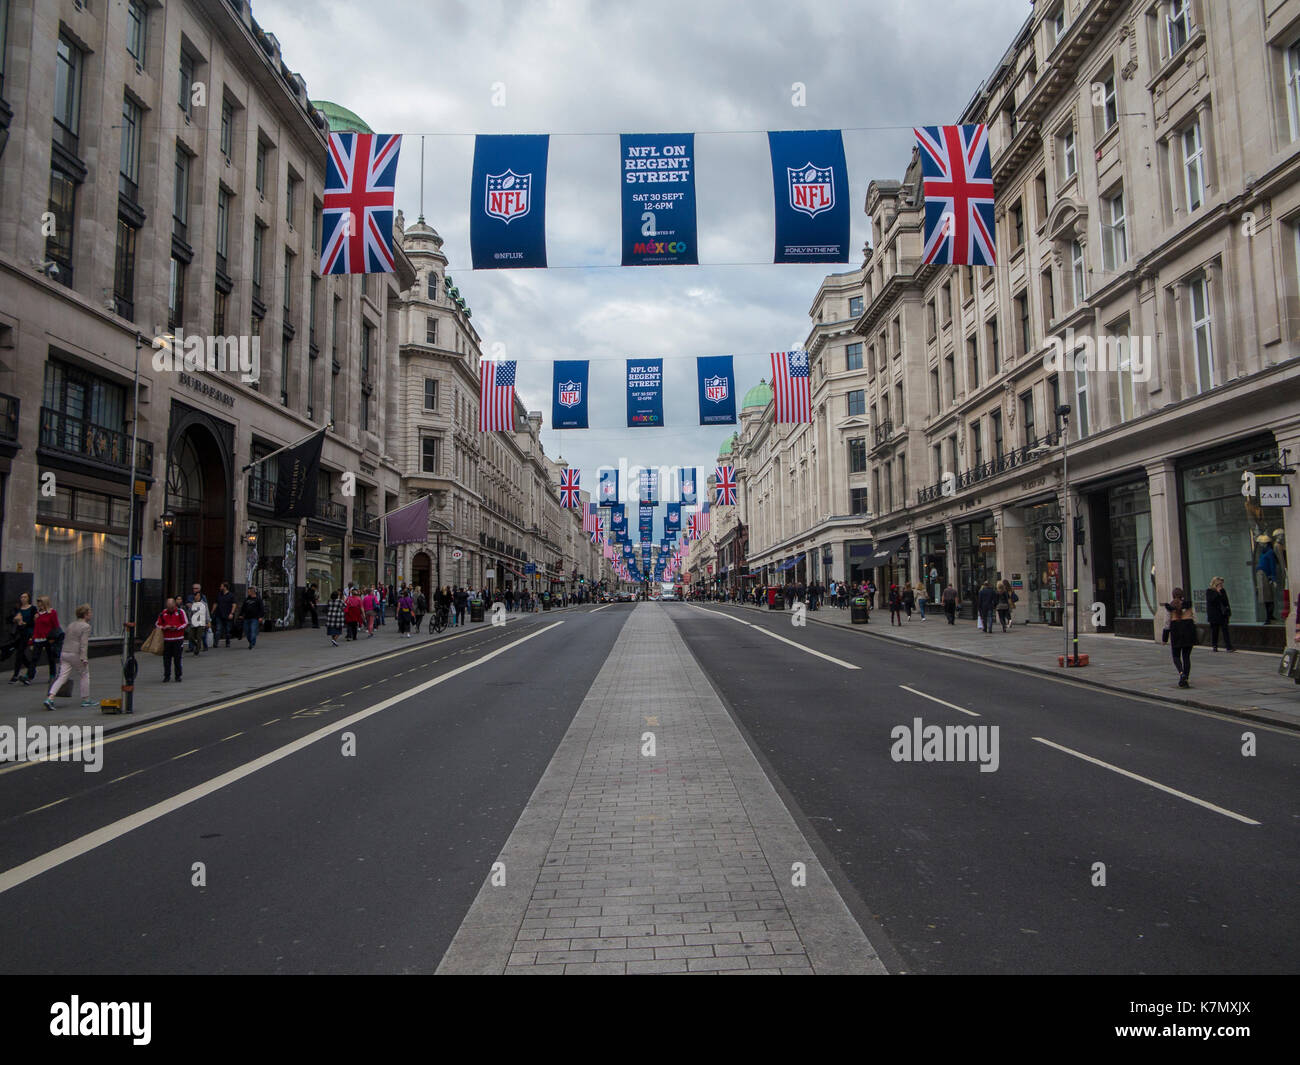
[569, 396]
[618, 518]
[810, 182]
[507, 202]
[658, 182]
[645, 393]
[647, 519]
[717, 381]
[689, 488]
[673, 519]
[649, 486]
[607, 486]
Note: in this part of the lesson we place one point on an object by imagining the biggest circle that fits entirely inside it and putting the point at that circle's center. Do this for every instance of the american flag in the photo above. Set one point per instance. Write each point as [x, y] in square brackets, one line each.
[569, 489]
[591, 519]
[357, 212]
[957, 178]
[792, 386]
[705, 522]
[496, 401]
[724, 489]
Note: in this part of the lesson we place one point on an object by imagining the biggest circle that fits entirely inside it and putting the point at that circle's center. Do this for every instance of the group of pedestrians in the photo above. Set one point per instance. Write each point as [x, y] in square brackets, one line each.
[36, 635]
[192, 620]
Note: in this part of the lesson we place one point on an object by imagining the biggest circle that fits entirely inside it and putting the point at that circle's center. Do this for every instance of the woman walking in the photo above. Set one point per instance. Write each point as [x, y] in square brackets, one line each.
[909, 600]
[369, 603]
[334, 618]
[922, 597]
[353, 613]
[1217, 612]
[1180, 634]
[895, 606]
[47, 637]
[75, 656]
[405, 612]
[1004, 603]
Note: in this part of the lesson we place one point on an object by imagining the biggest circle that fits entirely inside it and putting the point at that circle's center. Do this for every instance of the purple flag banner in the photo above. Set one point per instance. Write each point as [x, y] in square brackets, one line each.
[410, 525]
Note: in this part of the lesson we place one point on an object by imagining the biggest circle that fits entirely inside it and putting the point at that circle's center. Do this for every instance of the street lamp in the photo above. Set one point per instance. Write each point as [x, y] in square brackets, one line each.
[1068, 523]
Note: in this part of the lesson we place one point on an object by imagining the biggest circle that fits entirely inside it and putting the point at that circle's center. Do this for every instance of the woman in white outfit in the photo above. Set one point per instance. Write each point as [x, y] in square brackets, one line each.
[75, 656]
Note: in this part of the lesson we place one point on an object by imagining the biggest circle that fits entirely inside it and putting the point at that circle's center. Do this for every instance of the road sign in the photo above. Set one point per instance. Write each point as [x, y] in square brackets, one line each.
[457, 555]
[1052, 532]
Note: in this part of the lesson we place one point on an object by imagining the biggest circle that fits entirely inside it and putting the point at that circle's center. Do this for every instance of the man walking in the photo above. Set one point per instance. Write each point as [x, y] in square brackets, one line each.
[986, 602]
[172, 621]
[223, 616]
[252, 611]
[950, 604]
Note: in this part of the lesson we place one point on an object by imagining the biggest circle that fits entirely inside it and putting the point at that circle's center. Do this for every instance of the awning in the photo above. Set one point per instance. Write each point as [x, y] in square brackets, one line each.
[886, 548]
[789, 563]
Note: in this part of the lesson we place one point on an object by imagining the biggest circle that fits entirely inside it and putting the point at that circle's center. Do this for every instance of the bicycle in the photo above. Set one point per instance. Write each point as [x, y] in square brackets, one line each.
[437, 621]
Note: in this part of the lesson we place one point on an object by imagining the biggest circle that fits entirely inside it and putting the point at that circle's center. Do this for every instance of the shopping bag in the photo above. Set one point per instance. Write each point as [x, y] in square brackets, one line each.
[154, 643]
[981, 623]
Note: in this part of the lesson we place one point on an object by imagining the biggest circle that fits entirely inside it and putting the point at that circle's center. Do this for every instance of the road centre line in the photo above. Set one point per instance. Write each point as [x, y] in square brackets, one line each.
[1148, 780]
[765, 632]
[941, 702]
[20, 874]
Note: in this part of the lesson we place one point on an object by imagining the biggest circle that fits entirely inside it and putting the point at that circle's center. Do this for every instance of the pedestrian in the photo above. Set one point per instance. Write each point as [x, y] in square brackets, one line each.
[198, 626]
[47, 637]
[309, 597]
[922, 598]
[1004, 603]
[334, 618]
[75, 657]
[986, 602]
[354, 613]
[1180, 634]
[1266, 578]
[895, 606]
[950, 604]
[251, 613]
[196, 596]
[1217, 612]
[909, 600]
[461, 601]
[421, 607]
[369, 603]
[173, 623]
[223, 615]
[405, 612]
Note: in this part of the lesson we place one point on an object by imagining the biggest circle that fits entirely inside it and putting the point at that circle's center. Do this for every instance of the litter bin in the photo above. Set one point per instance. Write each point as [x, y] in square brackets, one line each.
[546, 600]
[476, 610]
[858, 612]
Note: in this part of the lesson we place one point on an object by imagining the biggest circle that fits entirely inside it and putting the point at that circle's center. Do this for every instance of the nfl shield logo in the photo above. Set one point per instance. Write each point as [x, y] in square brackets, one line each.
[812, 188]
[715, 389]
[570, 393]
[508, 195]
[688, 488]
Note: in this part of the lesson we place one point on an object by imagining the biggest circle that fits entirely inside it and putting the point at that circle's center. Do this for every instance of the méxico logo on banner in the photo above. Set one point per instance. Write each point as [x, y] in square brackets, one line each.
[658, 183]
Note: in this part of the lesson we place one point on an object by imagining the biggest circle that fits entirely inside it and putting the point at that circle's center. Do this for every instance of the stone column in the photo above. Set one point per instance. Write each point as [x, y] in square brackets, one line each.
[1166, 542]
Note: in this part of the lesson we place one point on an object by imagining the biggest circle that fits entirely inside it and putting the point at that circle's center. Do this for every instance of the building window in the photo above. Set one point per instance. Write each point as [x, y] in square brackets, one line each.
[855, 306]
[1022, 316]
[853, 357]
[1078, 272]
[1114, 232]
[259, 173]
[227, 127]
[857, 402]
[430, 393]
[976, 446]
[1017, 215]
[284, 371]
[288, 283]
[973, 361]
[259, 242]
[223, 228]
[124, 270]
[181, 194]
[1080, 397]
[1054, 394]
[63, 206]
[936, 400]
[995, 352]
[1292, 66]
[1027, 417]
[1110, 104]
[186, 97]
[995, 424]
[1069, 160]
[946, 304]
[950, 376]
[858, 498]
[1120, 342]
[176, 295]
[931, 321]
[219, 306]
[67, 94]
[1178, 25]
[1040, 202]
[1199, 304]
[315, 227]
[430, 329]
[291, 199]
[429, 454]
[1193, 165]
[1049, 295]
[936, 456]
[858, 454]
[128, 183]
[137, 25]
[1057, 20]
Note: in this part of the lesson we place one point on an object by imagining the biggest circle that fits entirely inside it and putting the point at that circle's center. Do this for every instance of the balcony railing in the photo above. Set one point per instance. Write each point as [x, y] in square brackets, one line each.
[363, 521]
[9, 418]
[883, 431]
[261, 491]
[993, 467]
[75, 436]
[328, 510]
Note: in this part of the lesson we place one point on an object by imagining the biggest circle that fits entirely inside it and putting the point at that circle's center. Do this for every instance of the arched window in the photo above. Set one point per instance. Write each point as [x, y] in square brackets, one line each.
[184, 477]
[432, 285]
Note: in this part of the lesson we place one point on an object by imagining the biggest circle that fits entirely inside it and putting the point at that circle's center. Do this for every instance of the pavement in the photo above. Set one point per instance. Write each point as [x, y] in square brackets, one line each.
[1244, 683]
[676, 858]
[214, 675]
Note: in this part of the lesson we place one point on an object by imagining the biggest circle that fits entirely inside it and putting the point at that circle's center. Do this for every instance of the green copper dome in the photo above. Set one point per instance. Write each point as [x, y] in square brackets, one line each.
[728, 445]
[340, 119]
[758, 396]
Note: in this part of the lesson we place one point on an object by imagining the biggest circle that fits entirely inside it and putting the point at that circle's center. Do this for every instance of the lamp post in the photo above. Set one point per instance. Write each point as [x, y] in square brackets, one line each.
[1071, 578]
[129, 665]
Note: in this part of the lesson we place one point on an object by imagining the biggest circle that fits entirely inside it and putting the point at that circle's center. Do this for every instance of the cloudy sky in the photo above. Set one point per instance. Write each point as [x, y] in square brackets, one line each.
[585, 71]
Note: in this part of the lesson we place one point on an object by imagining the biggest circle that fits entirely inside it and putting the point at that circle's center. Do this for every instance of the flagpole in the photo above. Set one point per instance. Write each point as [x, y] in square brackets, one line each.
[258, 462]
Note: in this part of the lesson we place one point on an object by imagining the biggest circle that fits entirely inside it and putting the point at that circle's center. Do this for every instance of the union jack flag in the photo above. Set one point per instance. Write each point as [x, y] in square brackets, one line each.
[595, 537]
[724, 489]
[791, 386]
[569, 487]
[357, 212]
[957, 178]
[496, 401]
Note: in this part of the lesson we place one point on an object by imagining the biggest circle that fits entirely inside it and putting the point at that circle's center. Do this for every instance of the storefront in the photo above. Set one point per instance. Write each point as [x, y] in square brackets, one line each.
[933, 562]
[1042, 596]
[977, 557]
[324, 554]
[81, 555]
[390, 567]
[272, 569]
[365, 564]
[859, 564]
[1231, 535]
[1123, 556]
[892, 563]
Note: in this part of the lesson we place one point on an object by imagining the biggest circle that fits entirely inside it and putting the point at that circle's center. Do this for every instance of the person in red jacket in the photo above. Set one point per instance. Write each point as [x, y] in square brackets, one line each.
[172, 621]
[47, 637]
[353, 613]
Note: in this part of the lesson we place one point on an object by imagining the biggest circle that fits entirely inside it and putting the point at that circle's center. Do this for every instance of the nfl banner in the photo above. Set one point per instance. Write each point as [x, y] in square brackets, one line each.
[650, 486]
[647, 520]
[673, 519]
[607, 486]
[658, 199]
[810, 181]
[569, 395]
[690, 496]
[645, 393]
[717, 390]
[507, 201]
[618, 519]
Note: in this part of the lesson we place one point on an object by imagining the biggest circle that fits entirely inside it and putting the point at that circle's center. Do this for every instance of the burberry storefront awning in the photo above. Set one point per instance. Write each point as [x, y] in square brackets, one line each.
[887, 548]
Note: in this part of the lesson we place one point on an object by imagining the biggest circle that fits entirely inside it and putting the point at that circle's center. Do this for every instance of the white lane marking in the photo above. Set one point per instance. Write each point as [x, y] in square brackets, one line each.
[600, 608]
[941, 702]
[1147, 780]
[20, 874]
[288, 686]
[765, 632]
